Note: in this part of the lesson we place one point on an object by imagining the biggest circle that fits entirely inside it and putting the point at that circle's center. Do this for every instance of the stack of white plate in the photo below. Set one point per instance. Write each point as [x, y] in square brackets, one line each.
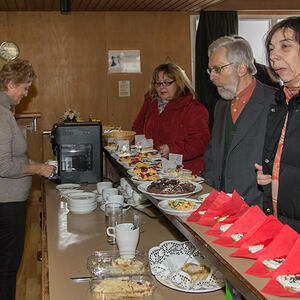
[65, 193]
[67, 186]
[82, 203]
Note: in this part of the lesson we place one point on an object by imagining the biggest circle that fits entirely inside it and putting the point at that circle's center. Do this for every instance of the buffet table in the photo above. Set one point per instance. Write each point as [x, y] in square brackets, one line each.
[233, 268]
[68, 239]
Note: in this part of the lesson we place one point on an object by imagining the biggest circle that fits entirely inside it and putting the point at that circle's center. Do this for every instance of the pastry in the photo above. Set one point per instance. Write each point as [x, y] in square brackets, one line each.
[170, 186]
[181, 204]
[221, 218]
[129, 159]
[272, 264]
[127, 266]
[138, 163]
[147, 154]
[255, 248]
[237, 236]
[112, 146]
[145, 150]
[158, 163]
[123, 153]
[121, 287]
[145, 170]
[225, 227]
[147, 176]
[201, 212]
[174, 172]
[290, 282]
[197, 272]
[188, 177]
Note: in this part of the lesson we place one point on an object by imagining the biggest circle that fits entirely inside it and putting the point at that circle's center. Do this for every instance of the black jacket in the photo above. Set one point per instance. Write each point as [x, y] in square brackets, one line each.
[246, 147]
[288, 205]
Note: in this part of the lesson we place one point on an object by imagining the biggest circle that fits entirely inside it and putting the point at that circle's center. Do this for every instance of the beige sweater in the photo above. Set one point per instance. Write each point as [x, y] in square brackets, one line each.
[13, 147]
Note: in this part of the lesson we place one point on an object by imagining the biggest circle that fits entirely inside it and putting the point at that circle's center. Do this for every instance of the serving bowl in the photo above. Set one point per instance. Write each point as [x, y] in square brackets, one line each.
[120, 134]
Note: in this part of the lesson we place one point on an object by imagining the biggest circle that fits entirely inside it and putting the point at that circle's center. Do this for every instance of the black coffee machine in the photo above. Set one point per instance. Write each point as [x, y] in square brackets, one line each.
[78, 148]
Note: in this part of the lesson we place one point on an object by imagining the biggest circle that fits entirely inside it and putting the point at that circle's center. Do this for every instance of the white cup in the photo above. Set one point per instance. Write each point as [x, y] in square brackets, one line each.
[115, 199]
[126, 237]
[129, 190]
[103, 185]
[53, 163]
[137, 197]
[109, 192]
[123, 183]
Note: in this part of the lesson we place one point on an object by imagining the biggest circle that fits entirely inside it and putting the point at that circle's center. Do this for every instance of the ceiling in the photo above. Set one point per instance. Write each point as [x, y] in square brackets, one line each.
[149, 5]
[107, 5]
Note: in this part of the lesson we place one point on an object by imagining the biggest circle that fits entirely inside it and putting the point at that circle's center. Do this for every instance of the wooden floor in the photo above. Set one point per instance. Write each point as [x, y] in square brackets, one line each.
[29, 276]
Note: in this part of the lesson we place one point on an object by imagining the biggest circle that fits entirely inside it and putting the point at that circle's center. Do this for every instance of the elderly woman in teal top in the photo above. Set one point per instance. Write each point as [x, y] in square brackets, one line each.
[15, 173]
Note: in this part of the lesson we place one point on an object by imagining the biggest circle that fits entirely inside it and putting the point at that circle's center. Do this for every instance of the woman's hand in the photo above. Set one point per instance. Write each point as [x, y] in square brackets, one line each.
[261, 178]
[46, 170]
[40, 169]
[164, 151]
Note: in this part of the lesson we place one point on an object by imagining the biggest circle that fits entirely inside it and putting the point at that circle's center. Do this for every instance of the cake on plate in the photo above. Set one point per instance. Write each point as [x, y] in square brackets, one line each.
[170, 186]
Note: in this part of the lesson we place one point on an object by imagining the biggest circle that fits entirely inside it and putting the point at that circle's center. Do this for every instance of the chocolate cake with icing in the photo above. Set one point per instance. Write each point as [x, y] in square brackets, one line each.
[170, 186]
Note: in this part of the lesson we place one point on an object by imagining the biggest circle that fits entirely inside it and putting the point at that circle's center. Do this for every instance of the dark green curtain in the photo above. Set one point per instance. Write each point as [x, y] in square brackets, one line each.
[212, 25]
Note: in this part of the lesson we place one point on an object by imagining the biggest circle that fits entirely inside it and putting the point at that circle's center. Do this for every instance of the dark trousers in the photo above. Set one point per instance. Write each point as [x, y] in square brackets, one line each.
[12, 234]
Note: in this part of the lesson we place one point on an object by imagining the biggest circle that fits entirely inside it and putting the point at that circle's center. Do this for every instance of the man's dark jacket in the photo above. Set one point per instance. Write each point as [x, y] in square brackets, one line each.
[246, 147]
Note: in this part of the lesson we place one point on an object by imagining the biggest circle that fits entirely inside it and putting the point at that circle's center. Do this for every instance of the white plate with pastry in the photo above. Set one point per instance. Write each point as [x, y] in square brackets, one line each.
[180, 266]
[136, 180]
[180, 206]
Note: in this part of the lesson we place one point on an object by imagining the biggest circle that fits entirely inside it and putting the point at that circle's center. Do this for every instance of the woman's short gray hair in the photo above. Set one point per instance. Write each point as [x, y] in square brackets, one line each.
[18, 71]
[238, 51]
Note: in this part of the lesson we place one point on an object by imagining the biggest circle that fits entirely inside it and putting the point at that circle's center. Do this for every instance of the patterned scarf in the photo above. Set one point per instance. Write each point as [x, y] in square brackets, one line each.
[161, 104]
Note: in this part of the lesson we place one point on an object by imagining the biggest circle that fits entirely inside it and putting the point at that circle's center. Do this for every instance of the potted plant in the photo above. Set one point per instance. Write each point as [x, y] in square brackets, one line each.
[70, 115]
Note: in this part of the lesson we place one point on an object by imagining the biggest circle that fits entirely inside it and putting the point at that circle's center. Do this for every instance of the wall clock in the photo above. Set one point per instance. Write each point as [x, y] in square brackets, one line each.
[9, 51]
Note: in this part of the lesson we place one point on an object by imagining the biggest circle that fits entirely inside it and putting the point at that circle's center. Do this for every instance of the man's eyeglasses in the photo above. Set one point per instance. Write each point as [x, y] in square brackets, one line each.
[163, 83]
[217, 69]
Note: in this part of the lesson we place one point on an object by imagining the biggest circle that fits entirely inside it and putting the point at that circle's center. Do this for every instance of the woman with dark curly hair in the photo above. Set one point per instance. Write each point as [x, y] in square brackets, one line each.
[280, 173]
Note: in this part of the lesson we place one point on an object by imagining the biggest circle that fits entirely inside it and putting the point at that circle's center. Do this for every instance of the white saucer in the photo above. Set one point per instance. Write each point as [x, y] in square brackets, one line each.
[67, 186]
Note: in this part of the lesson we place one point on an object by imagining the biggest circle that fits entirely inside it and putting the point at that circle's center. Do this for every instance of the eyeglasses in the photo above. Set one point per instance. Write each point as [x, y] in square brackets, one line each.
[163, 83]
[217, 69]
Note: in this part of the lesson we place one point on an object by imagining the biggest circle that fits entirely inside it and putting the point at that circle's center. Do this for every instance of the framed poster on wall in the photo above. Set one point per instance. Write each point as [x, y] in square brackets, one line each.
[124, 61]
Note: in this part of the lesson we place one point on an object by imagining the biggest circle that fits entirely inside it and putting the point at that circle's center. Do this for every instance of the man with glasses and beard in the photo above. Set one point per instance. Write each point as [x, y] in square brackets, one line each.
[239, 119]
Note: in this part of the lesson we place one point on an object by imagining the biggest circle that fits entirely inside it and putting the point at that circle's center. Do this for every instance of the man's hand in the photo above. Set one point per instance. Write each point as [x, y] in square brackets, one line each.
[261, 178]
[164, 151]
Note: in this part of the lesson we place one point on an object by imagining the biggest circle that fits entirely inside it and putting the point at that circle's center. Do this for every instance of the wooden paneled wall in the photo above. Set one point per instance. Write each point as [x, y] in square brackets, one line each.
[69, 54]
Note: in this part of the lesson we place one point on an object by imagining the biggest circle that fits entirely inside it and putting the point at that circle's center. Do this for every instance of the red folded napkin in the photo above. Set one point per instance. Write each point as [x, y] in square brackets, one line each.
[260, 239]
[223, 207]
[195, 216]
[290, 267]
[279, 248]
[245, 226]
[221, 227]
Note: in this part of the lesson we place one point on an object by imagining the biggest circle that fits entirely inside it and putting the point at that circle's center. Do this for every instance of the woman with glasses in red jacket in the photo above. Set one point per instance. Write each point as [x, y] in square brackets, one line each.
[172, 117]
